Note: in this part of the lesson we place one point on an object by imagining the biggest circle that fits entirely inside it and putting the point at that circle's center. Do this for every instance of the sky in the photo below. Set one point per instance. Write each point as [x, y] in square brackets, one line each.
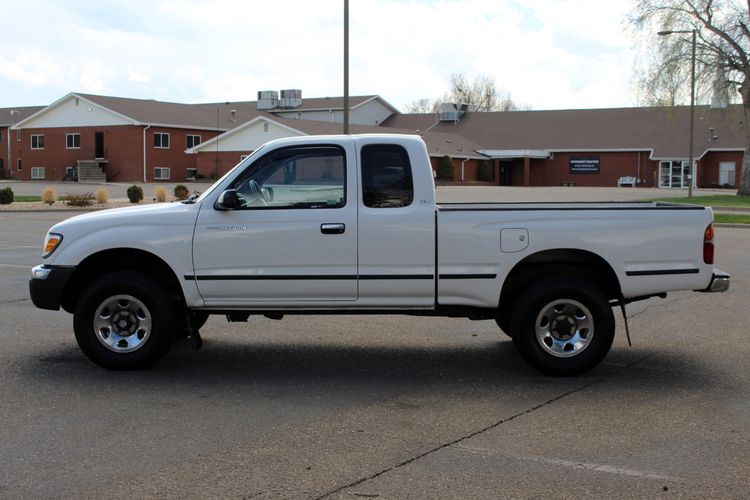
[548, 54]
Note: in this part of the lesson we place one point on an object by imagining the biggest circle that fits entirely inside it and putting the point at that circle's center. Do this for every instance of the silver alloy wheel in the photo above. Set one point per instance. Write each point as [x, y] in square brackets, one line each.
[122, 323]
[564, 328]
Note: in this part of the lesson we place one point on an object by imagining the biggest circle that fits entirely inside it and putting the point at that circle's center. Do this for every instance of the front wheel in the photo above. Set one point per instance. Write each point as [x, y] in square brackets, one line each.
[125, 321]
[563, 326]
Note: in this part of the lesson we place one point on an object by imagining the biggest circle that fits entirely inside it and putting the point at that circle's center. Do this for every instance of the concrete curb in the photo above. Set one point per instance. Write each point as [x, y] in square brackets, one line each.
[731, 209]
[743, 226]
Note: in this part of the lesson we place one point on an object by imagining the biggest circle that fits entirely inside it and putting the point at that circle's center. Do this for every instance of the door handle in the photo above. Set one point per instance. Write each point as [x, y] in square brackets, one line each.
[336, 228]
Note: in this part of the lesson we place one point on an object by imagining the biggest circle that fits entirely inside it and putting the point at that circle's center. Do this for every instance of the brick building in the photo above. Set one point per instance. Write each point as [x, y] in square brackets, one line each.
[8, 139]
[595, 147]
[120, 139]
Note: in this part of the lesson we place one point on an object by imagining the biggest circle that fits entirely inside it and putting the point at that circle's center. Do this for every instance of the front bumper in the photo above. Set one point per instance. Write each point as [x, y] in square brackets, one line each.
[47, 285]
[719, 282]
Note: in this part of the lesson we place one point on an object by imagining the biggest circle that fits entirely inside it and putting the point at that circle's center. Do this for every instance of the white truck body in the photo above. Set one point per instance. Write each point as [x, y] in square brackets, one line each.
[350, 254]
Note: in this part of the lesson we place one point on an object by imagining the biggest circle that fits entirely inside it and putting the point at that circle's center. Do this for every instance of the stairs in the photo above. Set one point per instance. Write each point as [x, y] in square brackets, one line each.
[90, 171]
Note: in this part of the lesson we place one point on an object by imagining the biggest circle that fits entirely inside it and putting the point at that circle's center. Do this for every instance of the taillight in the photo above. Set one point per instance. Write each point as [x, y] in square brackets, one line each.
[708, 245]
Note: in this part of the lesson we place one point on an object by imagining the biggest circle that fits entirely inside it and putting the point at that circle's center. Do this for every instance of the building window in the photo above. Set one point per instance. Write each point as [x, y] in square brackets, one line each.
[161, 140]
[18, 136]
[161, 173]
[191, 173]
[726, 174]
[37, 172]
[72, 141]
[193, 140]
[1, 134]
[37, 141]
[18, 165]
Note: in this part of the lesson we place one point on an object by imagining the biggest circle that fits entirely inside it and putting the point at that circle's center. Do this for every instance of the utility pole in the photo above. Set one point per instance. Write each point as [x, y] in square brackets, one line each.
[346, 66]
[692, 105]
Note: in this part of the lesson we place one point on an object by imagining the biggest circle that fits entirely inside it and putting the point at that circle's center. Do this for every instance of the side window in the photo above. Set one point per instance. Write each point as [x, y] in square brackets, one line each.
[386, 176]
[297, 177]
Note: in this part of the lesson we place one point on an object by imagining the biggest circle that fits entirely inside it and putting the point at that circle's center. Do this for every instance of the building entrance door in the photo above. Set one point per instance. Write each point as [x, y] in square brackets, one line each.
[674, 174]
[506, 173]
[99, 145]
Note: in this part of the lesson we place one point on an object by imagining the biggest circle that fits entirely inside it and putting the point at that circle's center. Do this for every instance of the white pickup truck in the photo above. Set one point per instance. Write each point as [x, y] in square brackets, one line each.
[349, 225]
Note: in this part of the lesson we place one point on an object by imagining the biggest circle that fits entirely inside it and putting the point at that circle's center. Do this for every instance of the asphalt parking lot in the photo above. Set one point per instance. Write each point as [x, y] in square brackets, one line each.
[376, 407]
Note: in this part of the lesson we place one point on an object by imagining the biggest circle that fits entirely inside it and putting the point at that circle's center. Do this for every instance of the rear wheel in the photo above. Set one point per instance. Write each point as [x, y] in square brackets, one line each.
[125, 321]
[563, 326]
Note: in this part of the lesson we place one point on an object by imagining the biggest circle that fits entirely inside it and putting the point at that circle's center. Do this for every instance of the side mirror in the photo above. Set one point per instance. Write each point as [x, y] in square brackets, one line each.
[228, 200]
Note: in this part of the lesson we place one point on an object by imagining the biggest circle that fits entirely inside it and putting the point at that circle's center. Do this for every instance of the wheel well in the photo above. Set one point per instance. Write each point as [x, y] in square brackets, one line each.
[119, 259]
[586, 265]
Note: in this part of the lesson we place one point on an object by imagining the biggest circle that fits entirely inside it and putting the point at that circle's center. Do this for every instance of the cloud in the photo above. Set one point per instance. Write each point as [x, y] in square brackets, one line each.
[547, 53]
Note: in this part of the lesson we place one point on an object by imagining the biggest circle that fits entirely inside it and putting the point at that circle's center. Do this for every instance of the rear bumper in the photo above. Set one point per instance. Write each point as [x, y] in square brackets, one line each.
[719, 282]
[47, 285]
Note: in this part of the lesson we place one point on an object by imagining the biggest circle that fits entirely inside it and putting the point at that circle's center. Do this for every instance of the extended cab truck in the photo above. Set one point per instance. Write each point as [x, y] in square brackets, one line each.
[349, 224]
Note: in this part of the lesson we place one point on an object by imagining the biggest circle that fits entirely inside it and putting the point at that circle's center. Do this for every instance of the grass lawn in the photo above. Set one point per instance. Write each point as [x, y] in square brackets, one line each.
[23, 198]
[732, 218]
[719, 200]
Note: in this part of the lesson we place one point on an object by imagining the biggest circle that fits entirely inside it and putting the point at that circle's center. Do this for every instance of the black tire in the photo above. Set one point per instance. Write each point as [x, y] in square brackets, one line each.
[563, 326]
[503, 322]
[125, 321]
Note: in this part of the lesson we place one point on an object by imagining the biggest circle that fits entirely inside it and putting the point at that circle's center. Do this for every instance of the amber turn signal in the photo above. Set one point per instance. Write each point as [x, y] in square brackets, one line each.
[51, 242]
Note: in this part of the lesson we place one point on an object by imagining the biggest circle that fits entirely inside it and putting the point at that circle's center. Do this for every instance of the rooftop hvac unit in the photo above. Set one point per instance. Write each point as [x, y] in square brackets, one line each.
[291, 93]
[449, 112]
[268, 94]
[291, 98]
[268, 103]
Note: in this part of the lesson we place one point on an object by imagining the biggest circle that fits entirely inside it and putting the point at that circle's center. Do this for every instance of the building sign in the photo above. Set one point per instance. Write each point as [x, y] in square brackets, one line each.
[584, 164]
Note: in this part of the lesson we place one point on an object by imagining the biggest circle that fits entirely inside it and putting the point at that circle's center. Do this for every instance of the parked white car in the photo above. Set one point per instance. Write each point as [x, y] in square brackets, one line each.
[349, 224]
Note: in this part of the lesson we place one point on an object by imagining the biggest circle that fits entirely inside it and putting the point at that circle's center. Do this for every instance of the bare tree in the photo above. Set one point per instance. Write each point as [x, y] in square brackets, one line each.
[423, 105]
[480, 94]
[722, 53]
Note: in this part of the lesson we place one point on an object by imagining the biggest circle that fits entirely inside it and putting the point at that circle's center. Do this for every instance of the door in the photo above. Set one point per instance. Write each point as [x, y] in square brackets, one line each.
[99, 145]
[506, 173]
[292, 242]
[396, 227]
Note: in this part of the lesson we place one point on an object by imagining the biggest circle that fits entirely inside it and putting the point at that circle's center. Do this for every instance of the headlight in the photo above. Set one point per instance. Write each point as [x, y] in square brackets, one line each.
[51, 242]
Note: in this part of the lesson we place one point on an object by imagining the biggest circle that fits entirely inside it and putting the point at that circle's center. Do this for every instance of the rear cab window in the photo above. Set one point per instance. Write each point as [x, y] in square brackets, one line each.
[386, 176]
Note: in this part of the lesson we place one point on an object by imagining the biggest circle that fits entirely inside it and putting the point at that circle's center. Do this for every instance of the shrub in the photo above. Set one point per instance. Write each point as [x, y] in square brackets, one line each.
[102, 196]
[446, 170]
[6, 196]
[181, 192]
[135, 193]
[79, 199]
[160, 194]
[485, 172]
[49, 196]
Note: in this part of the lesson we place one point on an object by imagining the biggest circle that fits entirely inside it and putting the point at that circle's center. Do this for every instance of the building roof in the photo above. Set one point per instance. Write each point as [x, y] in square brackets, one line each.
[7, 119]
[210, 116]
[205, 116]
[438, 143]
[662, 130]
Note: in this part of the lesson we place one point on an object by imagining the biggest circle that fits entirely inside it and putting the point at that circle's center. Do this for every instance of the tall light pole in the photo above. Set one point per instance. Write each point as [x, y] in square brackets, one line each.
[692, 102]
[346, 66]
